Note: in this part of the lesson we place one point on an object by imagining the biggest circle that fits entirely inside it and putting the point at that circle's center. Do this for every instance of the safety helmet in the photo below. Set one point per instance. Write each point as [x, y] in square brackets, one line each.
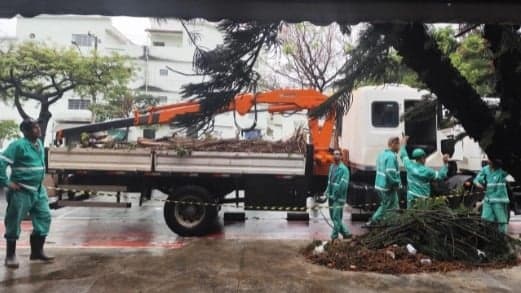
[418, 153]
[27, 124]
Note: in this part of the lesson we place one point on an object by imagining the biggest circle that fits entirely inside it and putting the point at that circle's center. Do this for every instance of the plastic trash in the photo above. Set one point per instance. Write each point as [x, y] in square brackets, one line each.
[426, 261]
[320, 249]
[312, 207]
[411, 249]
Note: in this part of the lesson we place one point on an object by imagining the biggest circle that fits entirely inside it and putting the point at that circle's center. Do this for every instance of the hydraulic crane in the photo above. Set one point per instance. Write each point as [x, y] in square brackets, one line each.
[277, 101]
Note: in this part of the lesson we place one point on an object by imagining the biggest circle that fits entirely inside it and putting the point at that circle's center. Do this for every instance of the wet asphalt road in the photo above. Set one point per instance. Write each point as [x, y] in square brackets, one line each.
[144, 227]
[132, 250]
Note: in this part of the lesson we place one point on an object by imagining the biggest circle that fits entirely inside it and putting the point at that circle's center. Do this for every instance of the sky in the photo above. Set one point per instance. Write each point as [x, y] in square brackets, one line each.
[132, 27]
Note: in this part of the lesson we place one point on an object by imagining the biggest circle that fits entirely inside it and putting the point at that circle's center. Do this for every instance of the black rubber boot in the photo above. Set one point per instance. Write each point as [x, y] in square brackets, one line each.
[10, 254]
[37, 249]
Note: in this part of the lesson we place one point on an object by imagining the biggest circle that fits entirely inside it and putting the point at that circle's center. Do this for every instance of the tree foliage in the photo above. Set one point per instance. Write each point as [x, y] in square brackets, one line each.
[474, 61]
[230, 69]
[470, 56]
[35, 71]
[121, 105]
[308, 57]
[8, 130]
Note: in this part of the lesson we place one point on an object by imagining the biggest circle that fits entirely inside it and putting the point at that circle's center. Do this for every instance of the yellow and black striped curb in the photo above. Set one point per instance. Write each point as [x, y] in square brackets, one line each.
[257, 207]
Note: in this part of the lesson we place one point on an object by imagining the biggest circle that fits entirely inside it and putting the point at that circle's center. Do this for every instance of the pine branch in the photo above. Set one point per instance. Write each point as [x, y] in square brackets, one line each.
[369, 61]
[229, 69]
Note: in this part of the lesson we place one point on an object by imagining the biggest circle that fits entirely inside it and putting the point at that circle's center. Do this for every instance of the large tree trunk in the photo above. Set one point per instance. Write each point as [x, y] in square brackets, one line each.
[504, 42]
[421, 53]
[44, 117]
[18, 106]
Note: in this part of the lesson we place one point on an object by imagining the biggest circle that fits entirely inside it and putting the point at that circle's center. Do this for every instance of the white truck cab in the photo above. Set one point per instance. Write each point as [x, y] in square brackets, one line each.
[376, 114]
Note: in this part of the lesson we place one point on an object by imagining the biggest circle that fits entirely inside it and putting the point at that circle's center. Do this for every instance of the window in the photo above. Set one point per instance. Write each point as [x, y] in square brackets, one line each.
[385, 114]
[82, 40]
[158, 44]
[149, 133]
[163, 72]
[162, 99]
[79, 104]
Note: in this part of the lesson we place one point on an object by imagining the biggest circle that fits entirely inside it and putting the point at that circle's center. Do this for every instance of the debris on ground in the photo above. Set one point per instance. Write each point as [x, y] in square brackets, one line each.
[440, 232]
[353, 255]
[184, 146]
[411, 249]
[320, 248]
[431, 237]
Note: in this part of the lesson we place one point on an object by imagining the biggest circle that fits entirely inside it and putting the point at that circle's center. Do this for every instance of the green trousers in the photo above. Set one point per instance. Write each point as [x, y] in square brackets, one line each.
[21, 202]
[388, 201]
[336, 212]
[497, 213]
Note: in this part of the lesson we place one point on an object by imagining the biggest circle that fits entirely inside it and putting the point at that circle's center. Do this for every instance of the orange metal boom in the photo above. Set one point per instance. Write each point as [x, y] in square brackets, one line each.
[279, 101]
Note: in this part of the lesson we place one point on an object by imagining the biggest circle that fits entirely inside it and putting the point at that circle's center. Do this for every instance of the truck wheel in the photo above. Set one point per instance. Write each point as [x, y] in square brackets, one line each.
[188, 216]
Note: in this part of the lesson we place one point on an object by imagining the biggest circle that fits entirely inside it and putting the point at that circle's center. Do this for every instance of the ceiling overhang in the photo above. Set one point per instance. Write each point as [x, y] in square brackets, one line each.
[316, 11]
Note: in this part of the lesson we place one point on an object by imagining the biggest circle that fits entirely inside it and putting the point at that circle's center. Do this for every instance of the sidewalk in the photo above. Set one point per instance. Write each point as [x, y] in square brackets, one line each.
[209, 265]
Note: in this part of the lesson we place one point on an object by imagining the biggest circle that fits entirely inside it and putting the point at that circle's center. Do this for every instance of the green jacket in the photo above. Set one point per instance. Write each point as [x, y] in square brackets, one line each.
[27, 163]
[338, 182]
[387, 171]
[495, 183]
[419, 176]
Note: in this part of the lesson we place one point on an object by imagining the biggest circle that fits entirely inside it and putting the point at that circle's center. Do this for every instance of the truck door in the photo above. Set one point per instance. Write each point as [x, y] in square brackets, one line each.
[421, 130]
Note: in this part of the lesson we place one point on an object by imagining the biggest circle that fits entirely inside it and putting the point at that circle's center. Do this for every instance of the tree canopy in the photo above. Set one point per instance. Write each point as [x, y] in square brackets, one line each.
[8, 130]
[35, 71]
[308, 56]
[121, 105]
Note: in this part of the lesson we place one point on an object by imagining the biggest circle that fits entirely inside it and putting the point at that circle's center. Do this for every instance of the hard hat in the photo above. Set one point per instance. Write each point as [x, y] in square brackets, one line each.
[418, 153]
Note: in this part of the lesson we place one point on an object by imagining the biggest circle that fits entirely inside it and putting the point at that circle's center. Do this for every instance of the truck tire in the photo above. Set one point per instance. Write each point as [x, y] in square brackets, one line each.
[190, 218]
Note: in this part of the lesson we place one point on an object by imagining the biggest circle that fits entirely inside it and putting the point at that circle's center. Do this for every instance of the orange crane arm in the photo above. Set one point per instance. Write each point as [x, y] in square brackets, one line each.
[278, 101]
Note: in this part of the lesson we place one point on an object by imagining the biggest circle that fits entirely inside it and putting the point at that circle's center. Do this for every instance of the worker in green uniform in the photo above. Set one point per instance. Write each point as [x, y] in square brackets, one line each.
[25, 193]
[492, 178]
[336, 192]
[387, 181]
[419, 176]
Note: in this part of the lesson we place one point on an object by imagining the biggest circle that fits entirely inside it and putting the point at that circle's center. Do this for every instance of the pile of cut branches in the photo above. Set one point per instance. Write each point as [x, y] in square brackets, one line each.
[447, 239]
[443, 233]
[295, 144]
